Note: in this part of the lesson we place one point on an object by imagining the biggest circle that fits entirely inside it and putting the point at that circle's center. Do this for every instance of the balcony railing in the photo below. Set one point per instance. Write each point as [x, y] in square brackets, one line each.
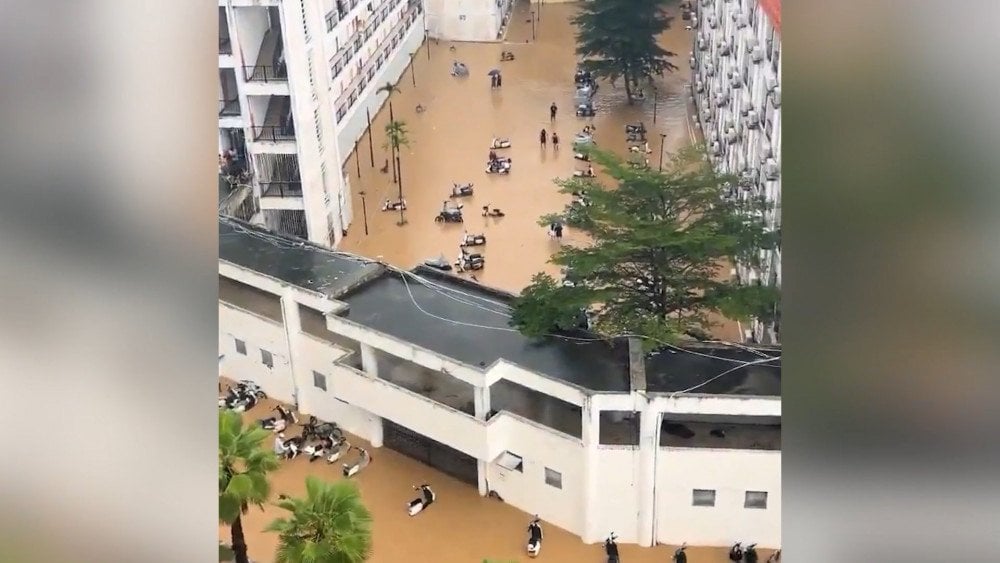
[281, 189]
[225, 46]
[273, 133]
[261, 73]
[229, 108]
[383, 48]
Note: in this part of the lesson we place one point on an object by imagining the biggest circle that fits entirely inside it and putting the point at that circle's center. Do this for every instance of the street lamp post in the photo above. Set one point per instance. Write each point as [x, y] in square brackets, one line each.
[655, 91]
[663, 136]
[532, 25]
[357, 161]
[392, 147]
[364, 210]
[402, 218]
[413, 70]
[371, 149]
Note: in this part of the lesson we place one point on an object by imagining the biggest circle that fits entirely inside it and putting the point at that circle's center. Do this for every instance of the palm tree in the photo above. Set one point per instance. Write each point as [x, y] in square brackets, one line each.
[329, 525]
[244, 462]
[397, 136]
[389, 88]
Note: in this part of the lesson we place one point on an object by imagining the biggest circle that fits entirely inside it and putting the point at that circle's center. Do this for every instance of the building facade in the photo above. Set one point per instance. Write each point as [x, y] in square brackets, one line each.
[592, 436]
[736, 82]
[468, 20]
[297, 80]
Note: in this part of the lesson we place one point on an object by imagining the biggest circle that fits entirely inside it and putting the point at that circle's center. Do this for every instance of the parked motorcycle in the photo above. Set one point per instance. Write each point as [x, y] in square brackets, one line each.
[534, 538]
[679, 555]
[461, 190]
[500, 143]
[473, 240]
[449, 215]
[611, 549]
[470, 261]
[492, 211]
[736, 552]
[316, 428]
[417, 505]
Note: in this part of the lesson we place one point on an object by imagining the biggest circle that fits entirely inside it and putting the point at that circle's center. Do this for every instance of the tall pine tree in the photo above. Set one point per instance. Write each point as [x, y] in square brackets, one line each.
[617, 39]
[657, 256]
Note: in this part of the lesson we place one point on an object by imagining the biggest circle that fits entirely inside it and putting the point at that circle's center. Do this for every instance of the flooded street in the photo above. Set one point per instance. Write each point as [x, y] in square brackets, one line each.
[460, 527]
[450, 143]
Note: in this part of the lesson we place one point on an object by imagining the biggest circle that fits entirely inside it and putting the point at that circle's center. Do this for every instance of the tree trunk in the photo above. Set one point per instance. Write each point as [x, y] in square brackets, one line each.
[628, 87]
[392, 159]
[239, 542]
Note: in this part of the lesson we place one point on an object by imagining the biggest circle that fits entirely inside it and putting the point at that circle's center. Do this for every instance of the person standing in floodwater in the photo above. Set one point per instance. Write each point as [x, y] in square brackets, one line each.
[552, 111]
[555, 141]
[499, 80]
[542, 137]
[493, 81]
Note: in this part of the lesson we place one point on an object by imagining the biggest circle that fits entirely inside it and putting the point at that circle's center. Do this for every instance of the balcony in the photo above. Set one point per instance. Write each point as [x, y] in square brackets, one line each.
[269, 76]
[225, 46]
[279, 180]
[229, 108]
[281, 189]
[276, 130]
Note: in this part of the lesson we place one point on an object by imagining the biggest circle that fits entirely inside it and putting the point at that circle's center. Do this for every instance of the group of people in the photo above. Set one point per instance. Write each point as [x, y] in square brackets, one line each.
[543, 138]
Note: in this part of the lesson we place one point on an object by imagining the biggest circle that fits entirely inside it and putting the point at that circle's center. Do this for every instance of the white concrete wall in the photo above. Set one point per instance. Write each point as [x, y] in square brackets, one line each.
[258, 333]
[463, 20]
[615, 505]
[730, 473]
[539, 447]
[251, 23]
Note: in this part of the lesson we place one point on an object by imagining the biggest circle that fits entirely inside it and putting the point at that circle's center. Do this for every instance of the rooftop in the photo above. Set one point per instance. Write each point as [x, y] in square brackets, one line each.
[670, 371]
[456, 320]
[293, 261]
[468, 322]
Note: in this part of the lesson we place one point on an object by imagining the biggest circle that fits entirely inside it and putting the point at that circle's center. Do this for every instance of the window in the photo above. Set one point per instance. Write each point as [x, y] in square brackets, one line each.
[703, 497]
[319, 129]
[266, 358]
[305, 25]
[241, 347]
[510, 462]
[331, 20]
[755, 499]
[319, 380]
[553, 478]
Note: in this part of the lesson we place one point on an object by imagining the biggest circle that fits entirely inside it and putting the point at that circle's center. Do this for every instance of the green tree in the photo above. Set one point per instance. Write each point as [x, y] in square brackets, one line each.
[389, 88]
[618, 39]
[244, 462]
[329, 525]
[657, 260]
[396, 135]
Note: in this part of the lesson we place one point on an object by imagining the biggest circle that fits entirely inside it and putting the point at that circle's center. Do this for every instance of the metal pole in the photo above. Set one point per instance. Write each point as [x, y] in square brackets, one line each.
[357, 161]
[364, 210]
[532, 25]
[413, 70]
[371, 149]
[402, 219]
[662, 137]
[654, 103]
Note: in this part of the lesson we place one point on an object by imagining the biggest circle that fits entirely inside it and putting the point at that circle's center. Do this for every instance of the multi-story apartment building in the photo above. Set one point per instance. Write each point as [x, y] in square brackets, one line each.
[297, 80]
[592, 435]
[736, 81]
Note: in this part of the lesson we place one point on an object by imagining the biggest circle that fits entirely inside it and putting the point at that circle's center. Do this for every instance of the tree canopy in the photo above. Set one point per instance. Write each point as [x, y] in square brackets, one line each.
[329, 525]
[244, 463]
[658, 254]
[618, 39]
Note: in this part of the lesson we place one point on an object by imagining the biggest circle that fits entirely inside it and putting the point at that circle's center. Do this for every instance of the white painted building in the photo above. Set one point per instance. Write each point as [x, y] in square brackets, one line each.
[736, 81]
[468, 20]
[592, 437]
[297, 80]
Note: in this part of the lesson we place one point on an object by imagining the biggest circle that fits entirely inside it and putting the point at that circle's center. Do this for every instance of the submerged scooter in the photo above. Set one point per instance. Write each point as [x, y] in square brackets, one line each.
[500, 143]
[750, 554]
[736, 552]
[534, 538]
[417, 505]
[472, 240]
[352, 469]
[470, 261]
[329, 449]
[449, 214]
[492, 211]
[440, 263]
[611, 549]
[461, 190]
[679, 555]
[280, 422]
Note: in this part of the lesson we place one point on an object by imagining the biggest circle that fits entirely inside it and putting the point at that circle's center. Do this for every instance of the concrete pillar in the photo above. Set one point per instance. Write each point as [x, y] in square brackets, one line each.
[649, 423]
[293, 330]
[369, 361]
[591, 469]
[483, 486]
[481, 396]
[375, 430]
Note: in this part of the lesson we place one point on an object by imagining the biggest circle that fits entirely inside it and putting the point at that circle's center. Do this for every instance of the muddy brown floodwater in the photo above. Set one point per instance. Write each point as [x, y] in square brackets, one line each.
[460, 527]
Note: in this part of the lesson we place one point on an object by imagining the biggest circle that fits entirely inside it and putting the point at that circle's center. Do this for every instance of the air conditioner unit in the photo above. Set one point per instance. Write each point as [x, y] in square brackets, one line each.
[741, 21]
[757, 54]
[771, 169]
[702, 44]
[712, 22]
[724, 49]
[776, 97]
[770, 83]
[699, 86]
[706, 116]
[752, 120]
[735, 14]
[736, 81]
[721, 98]
[731, 136]
[751, 42]
[709, 69]
[691, 62]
